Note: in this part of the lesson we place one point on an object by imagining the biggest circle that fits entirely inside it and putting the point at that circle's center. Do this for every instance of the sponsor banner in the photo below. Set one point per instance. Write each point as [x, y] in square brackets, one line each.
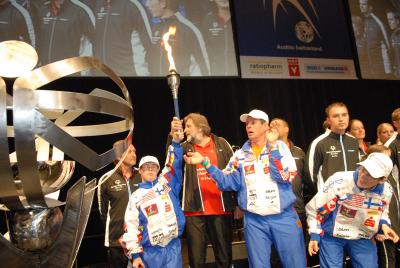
[278, 67]
[376, 28]
[294, 39]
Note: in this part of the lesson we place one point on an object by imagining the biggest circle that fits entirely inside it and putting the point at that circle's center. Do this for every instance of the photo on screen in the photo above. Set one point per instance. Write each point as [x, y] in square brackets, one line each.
[376, 27]
[126, 35]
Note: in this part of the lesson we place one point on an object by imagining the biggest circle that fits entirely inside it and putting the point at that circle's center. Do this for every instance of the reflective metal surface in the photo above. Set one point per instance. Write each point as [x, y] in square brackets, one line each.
[42, 133]
[16, 58]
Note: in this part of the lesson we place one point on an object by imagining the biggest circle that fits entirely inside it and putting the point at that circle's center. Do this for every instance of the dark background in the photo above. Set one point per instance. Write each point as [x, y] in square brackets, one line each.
[301, 102]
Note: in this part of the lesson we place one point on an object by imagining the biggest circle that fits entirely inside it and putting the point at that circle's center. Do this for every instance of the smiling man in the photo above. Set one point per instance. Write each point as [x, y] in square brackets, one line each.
[261, 172]
[349, 211]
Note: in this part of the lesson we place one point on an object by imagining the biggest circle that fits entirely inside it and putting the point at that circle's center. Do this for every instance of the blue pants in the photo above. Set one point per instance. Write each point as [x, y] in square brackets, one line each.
[167, 257]
[362, 252]
[282, 230]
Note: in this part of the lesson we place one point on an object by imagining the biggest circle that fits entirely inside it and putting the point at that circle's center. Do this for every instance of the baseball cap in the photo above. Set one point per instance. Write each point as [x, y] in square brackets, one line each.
[148, 159]
[378, 165]
[257, 114]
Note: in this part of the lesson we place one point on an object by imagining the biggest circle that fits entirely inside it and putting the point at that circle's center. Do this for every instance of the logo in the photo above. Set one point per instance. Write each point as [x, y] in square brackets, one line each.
[266, 169]
[348, 212]
[294, 68]
[333, 148]
[249, 170]
[304, 31]
[151, 210]
[167, 207]
[369, 222]
[117, 182]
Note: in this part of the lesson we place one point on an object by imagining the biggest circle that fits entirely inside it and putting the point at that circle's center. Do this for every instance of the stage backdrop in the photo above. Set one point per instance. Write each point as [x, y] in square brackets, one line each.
[293, 39]
[376, 27]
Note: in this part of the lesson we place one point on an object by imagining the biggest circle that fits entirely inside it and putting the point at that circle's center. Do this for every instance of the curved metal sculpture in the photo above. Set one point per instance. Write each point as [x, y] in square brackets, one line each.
[39, 233]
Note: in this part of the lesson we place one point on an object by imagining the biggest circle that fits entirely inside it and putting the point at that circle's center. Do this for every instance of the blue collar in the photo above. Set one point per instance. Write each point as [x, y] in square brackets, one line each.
[378, 189]
[148, 184]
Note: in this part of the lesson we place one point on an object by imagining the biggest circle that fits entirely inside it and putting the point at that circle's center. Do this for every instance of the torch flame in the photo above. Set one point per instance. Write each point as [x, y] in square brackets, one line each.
[168, 48]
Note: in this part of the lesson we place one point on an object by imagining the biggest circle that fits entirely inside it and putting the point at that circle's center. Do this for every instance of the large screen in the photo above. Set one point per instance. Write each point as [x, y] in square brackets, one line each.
[126, 35]
[376, 27]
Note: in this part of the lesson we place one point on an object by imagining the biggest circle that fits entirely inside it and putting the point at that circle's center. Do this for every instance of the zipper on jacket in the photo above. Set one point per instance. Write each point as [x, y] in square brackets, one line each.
[344, 153]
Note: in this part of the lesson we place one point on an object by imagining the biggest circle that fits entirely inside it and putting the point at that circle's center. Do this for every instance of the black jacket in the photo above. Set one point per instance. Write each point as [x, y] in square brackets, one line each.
[297, 184]
[61, 33]
[113, 197]
[115, 22]
[191, 200]
[328, 154]
[394, 180]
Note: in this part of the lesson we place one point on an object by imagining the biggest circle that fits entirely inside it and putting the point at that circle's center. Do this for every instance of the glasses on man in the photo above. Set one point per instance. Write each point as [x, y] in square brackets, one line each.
[149, 167]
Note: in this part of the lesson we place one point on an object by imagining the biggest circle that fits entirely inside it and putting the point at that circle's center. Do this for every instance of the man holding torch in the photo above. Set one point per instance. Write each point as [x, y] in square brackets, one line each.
[261, 172]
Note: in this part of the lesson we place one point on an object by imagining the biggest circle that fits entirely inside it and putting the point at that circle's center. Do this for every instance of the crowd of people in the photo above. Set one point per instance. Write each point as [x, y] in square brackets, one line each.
[338, 199]
[126, 35]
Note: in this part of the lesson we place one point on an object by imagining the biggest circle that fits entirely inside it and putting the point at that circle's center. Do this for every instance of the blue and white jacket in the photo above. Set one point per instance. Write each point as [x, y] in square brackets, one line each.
[342, 209]
[153, 216]
[263, 184]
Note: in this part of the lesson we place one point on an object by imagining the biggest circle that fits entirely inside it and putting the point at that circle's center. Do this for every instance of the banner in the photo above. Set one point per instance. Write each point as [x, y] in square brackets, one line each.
[293, 39]
[376, 27]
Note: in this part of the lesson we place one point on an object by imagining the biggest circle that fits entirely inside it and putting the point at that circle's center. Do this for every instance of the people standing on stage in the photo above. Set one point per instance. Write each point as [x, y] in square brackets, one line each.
[154, 220]
[391, 249]
[332, 151]
[282, 126]
[349, 210]
[113, 195]
[357, 130]
[261, 172]
[208, 210]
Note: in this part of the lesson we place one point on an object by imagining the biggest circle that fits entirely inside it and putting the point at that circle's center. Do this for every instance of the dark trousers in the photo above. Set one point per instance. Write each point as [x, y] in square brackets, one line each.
[218, 229]
[116, 258]
[388, 254]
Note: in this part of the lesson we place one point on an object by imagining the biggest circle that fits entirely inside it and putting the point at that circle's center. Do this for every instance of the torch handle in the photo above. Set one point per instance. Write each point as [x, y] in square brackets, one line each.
[176, 107]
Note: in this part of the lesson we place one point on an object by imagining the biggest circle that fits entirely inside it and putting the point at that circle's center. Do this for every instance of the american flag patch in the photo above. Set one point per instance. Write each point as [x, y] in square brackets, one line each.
[355, 200]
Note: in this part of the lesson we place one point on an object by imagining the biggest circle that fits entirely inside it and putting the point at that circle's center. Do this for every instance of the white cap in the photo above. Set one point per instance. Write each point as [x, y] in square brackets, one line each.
[257, 114]
[148, 159]
[378, 165]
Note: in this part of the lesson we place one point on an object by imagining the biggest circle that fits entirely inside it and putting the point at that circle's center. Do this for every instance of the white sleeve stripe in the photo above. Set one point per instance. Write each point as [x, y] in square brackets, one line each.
[144, 17]
[198, 35]
[312, 152]
[28, 21]
[87, 9]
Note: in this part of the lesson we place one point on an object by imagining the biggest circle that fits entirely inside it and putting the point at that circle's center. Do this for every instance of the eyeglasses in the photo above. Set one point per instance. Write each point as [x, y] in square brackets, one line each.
[149, 167]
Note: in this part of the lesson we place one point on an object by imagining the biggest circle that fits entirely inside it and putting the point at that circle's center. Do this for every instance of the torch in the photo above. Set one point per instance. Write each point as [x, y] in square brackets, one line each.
[173, 77]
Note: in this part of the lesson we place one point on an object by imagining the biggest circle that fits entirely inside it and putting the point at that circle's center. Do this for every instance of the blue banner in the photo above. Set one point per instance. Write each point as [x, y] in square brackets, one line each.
[293, 39]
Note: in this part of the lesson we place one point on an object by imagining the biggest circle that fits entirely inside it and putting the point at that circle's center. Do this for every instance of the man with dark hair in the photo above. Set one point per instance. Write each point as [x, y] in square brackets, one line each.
[113, 196]
[394, 25]
[208, 210]
[188, 46]
[332, 151]
[391, 249]
[261, 172]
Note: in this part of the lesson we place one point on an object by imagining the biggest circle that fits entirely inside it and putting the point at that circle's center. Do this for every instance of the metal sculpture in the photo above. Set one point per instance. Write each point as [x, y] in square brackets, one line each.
[40, 133]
